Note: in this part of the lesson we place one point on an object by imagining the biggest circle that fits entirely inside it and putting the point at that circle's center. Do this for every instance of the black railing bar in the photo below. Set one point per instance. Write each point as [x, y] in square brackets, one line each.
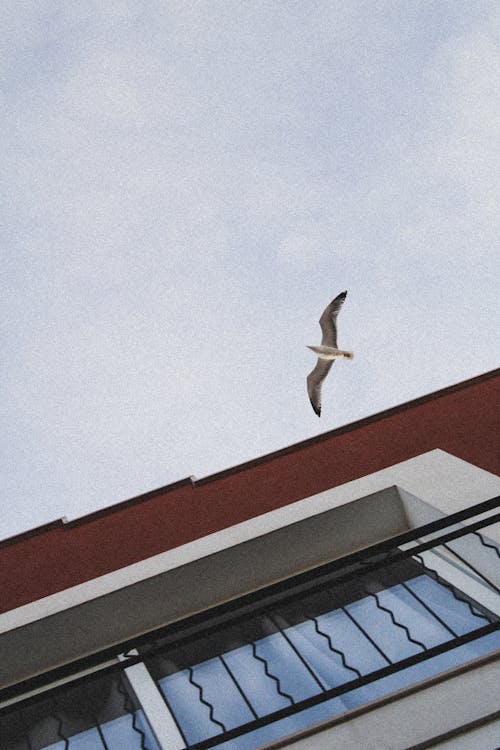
[40, 681]
[32, 683]
[473, 568]
[100, 732]
[257, 609]
[429, 609]
[487, 544]
[203, 700]
[436, 542]
[399, 556]
[344, 561]
[428, 528]
[238, 686]
[247, 600]
[475, 608]
[61, 672]
[269, 674]
[333, 649]
[396, 623]
[345, 688]
[435, 650]
[327, 568]
[297, 653]
[58, 718]
[364, 632]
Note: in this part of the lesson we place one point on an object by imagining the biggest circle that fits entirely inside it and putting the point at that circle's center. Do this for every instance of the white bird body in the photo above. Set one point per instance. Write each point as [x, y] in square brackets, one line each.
[327, 352]
[330, 352]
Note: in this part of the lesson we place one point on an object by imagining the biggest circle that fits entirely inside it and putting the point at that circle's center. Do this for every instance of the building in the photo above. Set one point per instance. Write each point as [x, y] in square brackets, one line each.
[342, 592]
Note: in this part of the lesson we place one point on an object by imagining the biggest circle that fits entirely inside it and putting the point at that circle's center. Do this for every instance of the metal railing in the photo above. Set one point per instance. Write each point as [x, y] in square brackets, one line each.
[324, 636]
[97, 705]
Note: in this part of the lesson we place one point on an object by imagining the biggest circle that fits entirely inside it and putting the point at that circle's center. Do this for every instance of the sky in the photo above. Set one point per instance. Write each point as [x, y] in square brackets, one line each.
[184, 186]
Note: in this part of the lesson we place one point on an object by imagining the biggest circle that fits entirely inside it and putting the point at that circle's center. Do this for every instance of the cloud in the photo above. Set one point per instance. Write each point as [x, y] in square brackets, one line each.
[467, 150]
[186, 186]
[438, 198]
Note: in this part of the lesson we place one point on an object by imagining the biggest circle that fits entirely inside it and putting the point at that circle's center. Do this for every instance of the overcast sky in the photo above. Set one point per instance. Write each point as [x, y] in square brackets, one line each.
[186, 185]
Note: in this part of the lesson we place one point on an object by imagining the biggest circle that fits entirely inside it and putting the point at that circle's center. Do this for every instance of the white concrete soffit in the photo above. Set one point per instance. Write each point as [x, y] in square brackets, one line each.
[445, 482]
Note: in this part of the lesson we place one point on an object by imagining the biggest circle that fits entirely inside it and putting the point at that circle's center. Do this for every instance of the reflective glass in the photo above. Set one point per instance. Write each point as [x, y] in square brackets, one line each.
[306, 647]
[96, 714]
[269, 660]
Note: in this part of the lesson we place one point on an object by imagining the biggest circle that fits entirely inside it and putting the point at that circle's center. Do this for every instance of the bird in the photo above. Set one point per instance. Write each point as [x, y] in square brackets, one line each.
[327, 352]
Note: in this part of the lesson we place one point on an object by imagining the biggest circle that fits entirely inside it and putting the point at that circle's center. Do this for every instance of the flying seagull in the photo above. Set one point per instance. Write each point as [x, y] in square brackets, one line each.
[327, 352]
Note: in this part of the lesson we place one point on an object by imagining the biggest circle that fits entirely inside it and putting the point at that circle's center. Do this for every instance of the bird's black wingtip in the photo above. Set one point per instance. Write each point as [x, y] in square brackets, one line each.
[316, 408]
[340, 297]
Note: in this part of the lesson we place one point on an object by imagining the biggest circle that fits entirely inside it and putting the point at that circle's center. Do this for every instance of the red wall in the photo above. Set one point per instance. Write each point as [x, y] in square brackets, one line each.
[462, 420]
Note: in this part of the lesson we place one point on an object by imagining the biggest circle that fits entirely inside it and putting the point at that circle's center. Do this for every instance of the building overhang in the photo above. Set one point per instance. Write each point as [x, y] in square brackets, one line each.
[270, 547]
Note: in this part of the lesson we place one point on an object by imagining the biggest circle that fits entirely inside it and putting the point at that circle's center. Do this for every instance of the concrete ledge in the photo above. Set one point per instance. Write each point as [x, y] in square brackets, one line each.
[276, 545]
[427, 714]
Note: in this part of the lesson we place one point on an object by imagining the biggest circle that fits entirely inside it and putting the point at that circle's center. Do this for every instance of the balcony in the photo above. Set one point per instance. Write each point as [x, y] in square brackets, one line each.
[283, 659]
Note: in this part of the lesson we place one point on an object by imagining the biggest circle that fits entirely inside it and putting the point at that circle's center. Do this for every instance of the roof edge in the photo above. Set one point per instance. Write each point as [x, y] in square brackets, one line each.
[194, 482]
[350, 426]
[63, 522]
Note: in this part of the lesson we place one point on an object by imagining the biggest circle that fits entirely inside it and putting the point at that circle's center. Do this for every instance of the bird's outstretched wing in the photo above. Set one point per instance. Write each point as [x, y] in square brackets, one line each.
[328, 321]
[315, 381]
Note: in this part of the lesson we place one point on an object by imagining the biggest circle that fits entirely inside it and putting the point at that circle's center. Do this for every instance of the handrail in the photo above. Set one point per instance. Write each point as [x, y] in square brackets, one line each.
[255, 602]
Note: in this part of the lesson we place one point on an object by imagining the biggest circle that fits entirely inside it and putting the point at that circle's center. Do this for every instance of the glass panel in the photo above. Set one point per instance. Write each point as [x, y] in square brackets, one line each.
[268, 661]
[96, 714]
[318, 641]
[251, 675]
[89, 740]
[345, 636]
[192, 693]
[315, 649]
[339, 705]
[283, 662]
[457, 614]
[128, 732]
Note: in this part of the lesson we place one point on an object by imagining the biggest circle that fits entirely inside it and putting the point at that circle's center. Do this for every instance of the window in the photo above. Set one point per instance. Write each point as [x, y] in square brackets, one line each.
[349, 640]
[284, 658]
[99, 712]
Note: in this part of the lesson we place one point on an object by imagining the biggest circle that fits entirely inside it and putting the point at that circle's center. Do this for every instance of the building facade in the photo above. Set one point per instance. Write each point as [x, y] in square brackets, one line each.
[342, 592]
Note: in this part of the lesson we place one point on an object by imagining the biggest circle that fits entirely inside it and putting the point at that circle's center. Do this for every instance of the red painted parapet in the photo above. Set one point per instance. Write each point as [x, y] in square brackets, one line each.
[462, 420]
